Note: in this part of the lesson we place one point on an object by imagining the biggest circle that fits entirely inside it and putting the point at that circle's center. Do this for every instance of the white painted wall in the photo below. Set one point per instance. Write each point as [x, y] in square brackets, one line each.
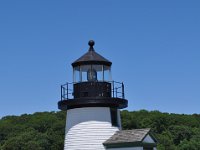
[148, 139]
[87, 128]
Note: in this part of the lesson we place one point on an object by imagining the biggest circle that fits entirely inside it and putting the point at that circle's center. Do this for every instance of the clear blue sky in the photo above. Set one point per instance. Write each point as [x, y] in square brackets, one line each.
[154, 47]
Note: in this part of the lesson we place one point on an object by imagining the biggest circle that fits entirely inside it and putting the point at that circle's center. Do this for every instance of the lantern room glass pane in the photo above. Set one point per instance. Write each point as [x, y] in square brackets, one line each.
[91, 73]
[99, 71]
[76, 74]
[107, 73]
[85, 73]
[84, 70]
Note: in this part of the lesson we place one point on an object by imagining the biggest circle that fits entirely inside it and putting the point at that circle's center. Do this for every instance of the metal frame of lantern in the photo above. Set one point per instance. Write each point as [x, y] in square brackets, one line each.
[102, 71]
[92, 84]
[117, 90]
[115, 98]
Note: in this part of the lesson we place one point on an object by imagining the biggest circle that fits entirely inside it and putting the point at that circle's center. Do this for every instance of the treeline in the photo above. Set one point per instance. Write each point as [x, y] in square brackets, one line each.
[173, 131]
[39, 131]
[45, 130]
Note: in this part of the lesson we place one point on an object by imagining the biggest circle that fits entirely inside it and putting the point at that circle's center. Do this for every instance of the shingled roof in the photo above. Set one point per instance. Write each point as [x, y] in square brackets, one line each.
[123, 136]
[135, 136]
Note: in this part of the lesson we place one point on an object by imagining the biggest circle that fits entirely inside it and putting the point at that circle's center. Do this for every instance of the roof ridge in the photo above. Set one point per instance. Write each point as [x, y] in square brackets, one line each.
[134, 135]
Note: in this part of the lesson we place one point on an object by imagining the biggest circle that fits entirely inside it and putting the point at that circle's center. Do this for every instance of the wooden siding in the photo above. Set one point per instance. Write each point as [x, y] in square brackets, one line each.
[87, 128]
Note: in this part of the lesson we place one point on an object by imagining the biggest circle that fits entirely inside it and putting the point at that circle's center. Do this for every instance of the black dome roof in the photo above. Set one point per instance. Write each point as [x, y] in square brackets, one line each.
[91, 57]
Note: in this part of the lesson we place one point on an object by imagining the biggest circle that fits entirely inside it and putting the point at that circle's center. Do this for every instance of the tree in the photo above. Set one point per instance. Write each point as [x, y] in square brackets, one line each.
[192, 144]
[180, 133]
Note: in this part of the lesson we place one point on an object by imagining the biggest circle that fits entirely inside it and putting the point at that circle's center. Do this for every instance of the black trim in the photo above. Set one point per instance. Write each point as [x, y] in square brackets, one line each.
[92, 62]
[129, 144]
[92, 102]
[114, 117]
[148, 148]
[151, 135]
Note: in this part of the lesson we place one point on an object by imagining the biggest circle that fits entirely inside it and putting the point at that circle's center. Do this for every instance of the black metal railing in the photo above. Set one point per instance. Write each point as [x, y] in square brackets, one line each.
[117, 90]
[67, 91]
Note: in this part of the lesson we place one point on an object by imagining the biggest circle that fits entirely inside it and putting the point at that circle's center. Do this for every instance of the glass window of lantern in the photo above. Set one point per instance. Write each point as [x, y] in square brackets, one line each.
[107, 73]
[76, 74]
[99, 72]
[90, 73]
[84, 72]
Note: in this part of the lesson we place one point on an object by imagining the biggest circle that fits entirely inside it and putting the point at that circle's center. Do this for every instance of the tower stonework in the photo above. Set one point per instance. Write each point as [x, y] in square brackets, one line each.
[93, 109]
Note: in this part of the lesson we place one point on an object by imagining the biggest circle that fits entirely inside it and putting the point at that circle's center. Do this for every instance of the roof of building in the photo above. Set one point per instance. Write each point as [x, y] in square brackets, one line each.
[91, 57]
[128, 136]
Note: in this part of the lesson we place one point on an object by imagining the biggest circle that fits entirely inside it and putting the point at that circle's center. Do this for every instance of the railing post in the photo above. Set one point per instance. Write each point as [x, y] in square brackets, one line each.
[67, 90]
[61, 93]
[116, 92]
[113, 87]
[123, 90]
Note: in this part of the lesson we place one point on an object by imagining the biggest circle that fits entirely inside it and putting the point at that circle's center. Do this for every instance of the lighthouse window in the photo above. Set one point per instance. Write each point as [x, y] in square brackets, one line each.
[84, 72]
[99, 72]
[113, 112]
[76, 74]
[106, 73]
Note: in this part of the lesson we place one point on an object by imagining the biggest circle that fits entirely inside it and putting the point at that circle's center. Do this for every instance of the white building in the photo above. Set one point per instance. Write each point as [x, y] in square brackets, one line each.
[92, 103]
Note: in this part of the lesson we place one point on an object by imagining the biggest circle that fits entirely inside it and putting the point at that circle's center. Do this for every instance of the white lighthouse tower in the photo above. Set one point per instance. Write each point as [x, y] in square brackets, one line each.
[93, 109]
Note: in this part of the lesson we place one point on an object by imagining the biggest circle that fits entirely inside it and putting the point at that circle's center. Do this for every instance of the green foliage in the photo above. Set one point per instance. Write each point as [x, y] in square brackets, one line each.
[41, 131]
[173, 131]
[45, 131]
[166, 141]
[192, 144]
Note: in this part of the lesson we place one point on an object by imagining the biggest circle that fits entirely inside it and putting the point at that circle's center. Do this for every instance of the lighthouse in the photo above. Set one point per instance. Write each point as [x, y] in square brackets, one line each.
[93, 112]
[93, 102]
